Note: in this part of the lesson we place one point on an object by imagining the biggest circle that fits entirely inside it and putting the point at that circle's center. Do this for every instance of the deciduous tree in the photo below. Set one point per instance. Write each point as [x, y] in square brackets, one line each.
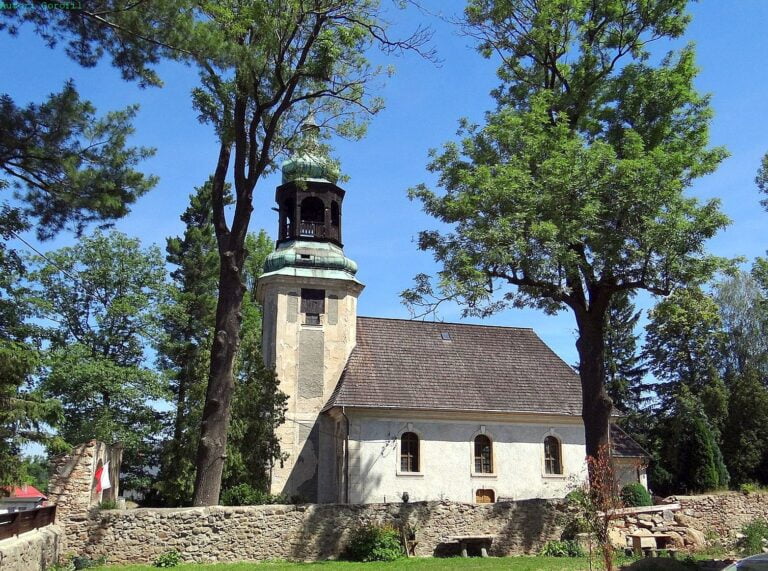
[101, 297]
[684, 343]
[573, 190]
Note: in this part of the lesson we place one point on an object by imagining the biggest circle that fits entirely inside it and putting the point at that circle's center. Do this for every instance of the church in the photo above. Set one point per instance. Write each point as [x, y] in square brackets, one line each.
[391, 410]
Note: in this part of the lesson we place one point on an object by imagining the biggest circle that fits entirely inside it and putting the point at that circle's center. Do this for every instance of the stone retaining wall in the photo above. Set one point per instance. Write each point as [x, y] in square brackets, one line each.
[308, 532]
[33, 550]
[723, 513]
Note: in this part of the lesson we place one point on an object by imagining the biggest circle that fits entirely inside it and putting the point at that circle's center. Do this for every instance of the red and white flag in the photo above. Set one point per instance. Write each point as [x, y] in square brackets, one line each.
[102, 478]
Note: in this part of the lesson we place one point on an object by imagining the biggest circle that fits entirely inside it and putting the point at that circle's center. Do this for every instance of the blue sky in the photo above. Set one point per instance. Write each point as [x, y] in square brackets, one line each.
[423, 105]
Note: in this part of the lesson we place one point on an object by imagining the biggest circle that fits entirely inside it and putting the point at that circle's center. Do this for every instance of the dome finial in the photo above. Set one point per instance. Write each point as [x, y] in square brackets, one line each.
[311, 131]
[311, 163]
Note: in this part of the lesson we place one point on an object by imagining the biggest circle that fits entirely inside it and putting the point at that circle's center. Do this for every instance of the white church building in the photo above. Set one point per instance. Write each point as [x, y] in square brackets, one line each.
[386, 410]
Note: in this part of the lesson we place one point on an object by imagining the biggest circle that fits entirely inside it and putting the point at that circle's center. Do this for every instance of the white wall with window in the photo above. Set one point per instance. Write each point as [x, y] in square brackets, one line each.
[462, 457]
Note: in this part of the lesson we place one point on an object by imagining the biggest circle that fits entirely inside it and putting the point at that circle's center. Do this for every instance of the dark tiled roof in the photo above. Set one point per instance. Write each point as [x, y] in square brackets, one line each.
[408, 364]
[623, 446]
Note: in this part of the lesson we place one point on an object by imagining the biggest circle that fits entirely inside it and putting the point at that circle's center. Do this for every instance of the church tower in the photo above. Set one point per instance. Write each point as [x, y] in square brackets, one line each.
[309, 296]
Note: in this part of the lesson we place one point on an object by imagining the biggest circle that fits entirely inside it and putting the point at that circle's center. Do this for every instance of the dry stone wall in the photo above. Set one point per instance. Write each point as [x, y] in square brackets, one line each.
[309, 532]
[32, 551]
[723, 513]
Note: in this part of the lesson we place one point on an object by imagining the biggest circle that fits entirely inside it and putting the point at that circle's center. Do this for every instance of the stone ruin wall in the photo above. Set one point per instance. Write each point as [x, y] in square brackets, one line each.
[723, 514]
[311, 532]
[72, 487]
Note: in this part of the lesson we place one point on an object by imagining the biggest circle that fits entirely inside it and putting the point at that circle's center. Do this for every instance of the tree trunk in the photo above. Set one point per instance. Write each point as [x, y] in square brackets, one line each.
[212, 449]
[596, 404]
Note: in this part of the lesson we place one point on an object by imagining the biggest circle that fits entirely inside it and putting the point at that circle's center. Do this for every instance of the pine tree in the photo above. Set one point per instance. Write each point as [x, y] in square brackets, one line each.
[184, 353]
[689, 451]
[624, 370]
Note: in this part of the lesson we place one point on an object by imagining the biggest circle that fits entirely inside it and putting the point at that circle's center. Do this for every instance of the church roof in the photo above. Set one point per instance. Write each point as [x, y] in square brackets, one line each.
[623, 446]
[399, 363]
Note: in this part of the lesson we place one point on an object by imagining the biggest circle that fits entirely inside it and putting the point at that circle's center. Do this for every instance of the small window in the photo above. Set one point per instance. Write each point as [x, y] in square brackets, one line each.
[553, 463]
[483, 455]
[409, 452]
[485, 496]
[445, 336]
[312, 305]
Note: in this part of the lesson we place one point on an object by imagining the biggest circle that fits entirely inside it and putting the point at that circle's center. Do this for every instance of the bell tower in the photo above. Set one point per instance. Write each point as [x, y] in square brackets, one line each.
[309, 296]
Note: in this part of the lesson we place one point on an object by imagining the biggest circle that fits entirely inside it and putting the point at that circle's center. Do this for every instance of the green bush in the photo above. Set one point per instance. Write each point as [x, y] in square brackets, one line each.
[247, 495]
[754, 533]
[86, 563]
[375, 543]
[168, 559]
[564, 548]
[635, 495]
[108, 505]
[749, 488]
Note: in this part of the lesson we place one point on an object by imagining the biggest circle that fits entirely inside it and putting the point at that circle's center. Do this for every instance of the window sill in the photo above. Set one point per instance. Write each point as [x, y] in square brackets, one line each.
[410, 474]
[554, 476]
[484, 475]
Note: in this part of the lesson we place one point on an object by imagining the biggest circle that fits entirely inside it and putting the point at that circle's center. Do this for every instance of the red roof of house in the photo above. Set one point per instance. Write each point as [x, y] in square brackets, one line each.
[26, 491]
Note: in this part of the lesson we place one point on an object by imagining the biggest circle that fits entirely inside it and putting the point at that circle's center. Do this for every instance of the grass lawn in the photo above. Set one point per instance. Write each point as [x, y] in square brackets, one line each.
[507, 563]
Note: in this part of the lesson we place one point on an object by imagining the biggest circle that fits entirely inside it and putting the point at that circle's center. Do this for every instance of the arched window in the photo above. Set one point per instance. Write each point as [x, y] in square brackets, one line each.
[312, 210]
[553, 461]
[312, 218]
[483, 455]
[409, 452]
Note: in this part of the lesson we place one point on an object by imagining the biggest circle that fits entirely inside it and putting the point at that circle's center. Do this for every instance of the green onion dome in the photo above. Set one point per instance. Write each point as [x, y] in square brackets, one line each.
[308, 166]
[312, 255]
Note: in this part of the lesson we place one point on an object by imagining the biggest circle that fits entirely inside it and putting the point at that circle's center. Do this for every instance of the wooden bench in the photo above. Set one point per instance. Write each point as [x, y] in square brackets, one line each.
[482, 541]
[658, 541]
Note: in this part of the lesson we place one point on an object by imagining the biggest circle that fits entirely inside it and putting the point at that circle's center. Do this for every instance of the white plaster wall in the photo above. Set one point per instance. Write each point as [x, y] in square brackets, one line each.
[446, 464]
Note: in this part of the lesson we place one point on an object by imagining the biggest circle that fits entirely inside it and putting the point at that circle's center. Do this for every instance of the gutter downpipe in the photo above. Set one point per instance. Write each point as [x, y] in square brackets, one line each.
[346, 457]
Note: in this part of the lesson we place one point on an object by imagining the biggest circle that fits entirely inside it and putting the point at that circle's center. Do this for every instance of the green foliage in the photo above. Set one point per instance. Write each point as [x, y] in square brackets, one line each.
[635, 495]
[749, 488]
[684, 343]
[743, 307]
[754, 533]
[563, 548]
[36, 470]
[82, 562]
[374, 543]
[762, 179]
[745, 436]
[188, 320]
[68, 167]
[248, 495]
[101, 298]
[108, 505]
[168, 559]
[25, 414]
[689, 451]
[624, 371]
[573, 190]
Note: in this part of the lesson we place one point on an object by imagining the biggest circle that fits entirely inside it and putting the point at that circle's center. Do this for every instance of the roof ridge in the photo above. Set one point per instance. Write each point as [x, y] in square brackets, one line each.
[445, 323]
